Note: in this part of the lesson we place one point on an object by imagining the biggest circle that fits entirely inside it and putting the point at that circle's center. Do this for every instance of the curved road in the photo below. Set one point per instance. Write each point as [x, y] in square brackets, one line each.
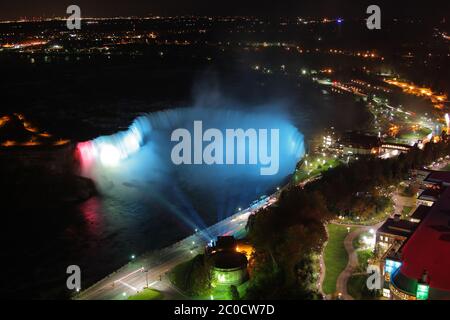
[151, 269]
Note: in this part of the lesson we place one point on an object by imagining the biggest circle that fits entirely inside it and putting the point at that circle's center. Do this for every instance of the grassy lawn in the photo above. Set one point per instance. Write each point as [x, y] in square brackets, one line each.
[314, 168]
[406, 211]
[414, 135]
[222, 293]
[147, 294]
[335, 256]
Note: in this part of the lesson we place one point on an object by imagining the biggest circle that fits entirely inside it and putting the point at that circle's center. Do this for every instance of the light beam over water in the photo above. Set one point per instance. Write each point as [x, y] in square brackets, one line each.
[135, 165]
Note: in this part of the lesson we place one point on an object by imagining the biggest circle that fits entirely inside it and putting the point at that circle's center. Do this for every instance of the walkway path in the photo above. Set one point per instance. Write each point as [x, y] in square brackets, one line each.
[342, 280]
[322, 269]
[341, 283]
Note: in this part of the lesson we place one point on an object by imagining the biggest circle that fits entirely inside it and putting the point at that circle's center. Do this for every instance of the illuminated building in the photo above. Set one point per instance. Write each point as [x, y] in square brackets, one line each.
[393, 231]
[329, 139]
[419, 214]
[230, 268]
[229, 262]
[396, 146]
[428, 196]
[415, 254]
[353, 143]
[441, 178]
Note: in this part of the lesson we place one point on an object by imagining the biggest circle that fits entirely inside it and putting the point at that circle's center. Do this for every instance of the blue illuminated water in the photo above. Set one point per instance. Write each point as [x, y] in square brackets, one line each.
[197, 194]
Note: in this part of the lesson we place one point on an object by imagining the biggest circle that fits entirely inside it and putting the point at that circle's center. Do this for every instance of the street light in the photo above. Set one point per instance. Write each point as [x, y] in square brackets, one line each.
[133, 257]
[146, 277]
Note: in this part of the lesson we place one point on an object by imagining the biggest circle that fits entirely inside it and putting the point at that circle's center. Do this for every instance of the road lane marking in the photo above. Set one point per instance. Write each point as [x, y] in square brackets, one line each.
[128, 285]
[126, 276]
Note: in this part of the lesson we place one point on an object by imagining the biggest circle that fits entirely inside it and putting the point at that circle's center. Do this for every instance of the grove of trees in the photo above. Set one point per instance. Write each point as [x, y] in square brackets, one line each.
[287, 237]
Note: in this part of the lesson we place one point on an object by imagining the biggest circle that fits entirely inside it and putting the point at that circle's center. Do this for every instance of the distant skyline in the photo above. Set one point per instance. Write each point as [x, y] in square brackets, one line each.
[434, 9]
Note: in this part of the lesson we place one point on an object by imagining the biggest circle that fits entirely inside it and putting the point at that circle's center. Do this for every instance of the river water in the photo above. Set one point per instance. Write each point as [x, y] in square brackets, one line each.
[146, 202]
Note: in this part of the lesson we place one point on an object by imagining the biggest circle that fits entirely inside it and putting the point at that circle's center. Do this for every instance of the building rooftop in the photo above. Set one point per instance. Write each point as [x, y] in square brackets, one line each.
[225, 243]
[360, 140]
[430, 194]
[420, 213]
[229, 260]
[438, 177]
[429, 247]
[402, 228]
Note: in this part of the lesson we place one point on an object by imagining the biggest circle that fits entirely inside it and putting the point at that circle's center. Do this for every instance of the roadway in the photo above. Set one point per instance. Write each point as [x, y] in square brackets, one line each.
[151, 269]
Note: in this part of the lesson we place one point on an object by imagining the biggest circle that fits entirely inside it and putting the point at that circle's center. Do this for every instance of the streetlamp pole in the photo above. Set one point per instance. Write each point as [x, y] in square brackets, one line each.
[146, 277]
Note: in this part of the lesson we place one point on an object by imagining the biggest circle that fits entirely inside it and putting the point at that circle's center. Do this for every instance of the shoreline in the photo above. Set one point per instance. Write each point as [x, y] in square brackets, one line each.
[174, 254]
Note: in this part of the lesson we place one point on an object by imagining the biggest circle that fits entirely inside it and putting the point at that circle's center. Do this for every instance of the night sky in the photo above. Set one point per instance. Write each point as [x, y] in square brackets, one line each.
[430, 9]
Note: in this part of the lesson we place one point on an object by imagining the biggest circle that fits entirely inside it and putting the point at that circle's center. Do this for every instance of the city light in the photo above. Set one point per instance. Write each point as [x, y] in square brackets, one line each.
[169, 149]
[391, 266]
[422, 291]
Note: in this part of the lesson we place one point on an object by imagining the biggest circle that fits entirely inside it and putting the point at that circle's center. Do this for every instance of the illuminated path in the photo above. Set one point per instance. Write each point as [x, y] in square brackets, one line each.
[132, 277]
[341, 283]
[342, 280]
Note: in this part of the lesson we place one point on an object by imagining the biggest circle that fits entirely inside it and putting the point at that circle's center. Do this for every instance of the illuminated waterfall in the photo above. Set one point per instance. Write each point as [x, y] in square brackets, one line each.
[136, 164]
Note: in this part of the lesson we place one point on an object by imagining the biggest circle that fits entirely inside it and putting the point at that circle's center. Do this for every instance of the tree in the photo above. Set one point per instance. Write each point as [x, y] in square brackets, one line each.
[285, 237]
[198, 279]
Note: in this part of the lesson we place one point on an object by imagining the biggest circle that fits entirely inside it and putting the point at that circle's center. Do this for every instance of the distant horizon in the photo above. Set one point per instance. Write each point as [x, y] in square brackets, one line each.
[154, 15]
[46, 9]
